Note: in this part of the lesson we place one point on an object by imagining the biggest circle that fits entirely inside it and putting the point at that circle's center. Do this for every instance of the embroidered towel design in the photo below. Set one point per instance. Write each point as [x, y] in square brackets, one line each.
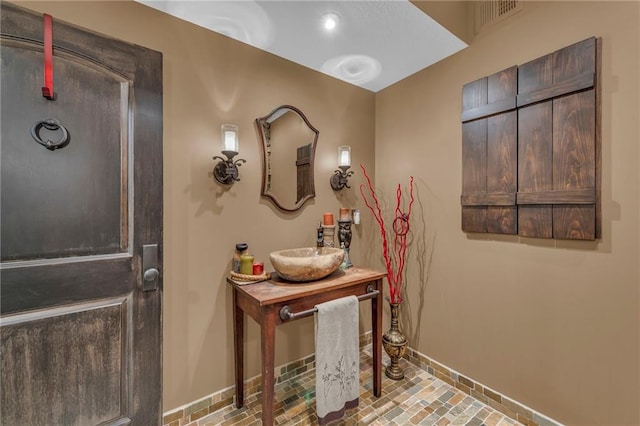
[337, 358]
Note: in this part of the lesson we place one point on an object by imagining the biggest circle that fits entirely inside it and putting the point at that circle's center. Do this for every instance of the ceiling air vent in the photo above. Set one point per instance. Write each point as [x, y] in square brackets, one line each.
[492, 11]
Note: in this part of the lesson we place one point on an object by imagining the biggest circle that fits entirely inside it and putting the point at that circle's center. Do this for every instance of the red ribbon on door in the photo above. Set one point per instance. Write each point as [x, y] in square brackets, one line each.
[47, 89]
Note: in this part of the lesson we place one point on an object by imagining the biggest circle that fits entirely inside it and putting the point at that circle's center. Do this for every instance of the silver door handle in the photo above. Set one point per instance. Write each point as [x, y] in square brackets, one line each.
[151, 274]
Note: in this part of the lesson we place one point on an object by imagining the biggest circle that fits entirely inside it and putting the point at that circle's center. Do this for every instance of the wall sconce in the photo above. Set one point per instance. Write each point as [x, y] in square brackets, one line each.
[340, 179]
[226, 171]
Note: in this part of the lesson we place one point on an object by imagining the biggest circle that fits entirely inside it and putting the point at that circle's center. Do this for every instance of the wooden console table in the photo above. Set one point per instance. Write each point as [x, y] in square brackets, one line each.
[276, 301]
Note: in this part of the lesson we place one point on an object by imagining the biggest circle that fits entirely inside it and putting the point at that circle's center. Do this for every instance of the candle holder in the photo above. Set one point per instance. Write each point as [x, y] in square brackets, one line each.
[344, 236]
[328, 233]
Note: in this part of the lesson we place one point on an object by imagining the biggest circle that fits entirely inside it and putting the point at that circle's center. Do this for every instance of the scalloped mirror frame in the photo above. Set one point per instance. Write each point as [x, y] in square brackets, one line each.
[265, 137]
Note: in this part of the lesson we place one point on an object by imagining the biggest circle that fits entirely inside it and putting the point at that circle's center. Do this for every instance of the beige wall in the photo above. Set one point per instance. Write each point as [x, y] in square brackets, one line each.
[210, 80]
[453, 15]
[552, 324]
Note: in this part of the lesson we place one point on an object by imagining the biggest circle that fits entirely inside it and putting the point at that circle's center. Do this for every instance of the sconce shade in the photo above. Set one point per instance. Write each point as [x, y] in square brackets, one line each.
[340, 178]
[226, 170]
[344, 156]
[229, 138]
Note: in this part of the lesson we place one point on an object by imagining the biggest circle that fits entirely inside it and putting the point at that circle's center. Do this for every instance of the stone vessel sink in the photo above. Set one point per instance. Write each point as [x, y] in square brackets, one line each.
[306, 264]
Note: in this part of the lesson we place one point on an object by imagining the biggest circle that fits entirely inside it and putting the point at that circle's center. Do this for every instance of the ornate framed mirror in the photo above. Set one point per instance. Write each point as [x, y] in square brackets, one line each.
[288, 152]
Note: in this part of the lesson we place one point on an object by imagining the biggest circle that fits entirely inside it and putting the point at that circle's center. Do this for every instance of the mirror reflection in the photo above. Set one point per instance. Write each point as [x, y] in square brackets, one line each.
[288, 148]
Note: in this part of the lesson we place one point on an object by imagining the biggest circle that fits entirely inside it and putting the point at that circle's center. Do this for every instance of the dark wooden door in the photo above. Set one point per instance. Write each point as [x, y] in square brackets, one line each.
[303, 171]
[80, 328]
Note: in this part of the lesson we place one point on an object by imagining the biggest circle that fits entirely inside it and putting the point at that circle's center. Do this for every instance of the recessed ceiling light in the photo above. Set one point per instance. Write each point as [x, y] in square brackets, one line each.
[330, 21]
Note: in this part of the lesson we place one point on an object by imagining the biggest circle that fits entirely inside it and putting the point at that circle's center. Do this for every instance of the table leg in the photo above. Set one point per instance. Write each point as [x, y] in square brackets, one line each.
[376, 345]
[268, 339]
[238, 349]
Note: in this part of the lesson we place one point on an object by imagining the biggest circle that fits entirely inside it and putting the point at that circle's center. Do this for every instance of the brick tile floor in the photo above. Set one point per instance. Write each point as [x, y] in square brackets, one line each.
[418, 399]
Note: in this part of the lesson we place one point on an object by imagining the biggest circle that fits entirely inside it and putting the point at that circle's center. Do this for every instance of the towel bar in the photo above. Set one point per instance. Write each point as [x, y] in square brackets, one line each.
[286, 314]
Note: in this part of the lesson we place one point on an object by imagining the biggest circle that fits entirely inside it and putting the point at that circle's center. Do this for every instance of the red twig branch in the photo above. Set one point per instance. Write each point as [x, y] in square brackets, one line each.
[400, 229]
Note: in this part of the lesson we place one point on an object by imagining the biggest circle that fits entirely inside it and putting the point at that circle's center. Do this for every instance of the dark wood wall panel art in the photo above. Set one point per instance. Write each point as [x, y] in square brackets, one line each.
[574, 164]
[541, 159]
[535, 149]
[474, 158]
[501, 171]
[474, 180]
[489, 151]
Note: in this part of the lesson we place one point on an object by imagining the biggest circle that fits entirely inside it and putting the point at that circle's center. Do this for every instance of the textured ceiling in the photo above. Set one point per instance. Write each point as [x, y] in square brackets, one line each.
[375, 44]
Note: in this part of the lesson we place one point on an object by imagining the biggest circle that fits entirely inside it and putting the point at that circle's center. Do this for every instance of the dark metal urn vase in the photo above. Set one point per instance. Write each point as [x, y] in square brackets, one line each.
[395, 345]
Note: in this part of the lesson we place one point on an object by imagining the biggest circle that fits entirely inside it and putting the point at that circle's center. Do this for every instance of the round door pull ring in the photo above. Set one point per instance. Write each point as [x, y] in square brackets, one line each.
[53, 125]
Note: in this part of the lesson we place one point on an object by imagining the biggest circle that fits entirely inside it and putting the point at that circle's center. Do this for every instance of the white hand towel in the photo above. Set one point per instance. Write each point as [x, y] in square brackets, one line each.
[337, 358]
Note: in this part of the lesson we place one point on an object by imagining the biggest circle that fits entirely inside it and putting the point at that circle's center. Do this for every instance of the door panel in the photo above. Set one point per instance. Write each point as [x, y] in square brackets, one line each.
[78, 353]
[71, 201]
[80, 340]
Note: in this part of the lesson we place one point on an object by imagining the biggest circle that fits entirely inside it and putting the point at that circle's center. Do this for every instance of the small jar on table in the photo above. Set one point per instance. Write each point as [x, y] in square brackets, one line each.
[246, 264]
